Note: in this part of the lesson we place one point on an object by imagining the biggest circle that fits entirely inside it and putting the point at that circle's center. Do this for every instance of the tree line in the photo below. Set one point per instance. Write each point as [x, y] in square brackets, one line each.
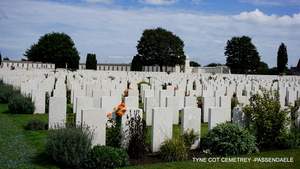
[156, 47]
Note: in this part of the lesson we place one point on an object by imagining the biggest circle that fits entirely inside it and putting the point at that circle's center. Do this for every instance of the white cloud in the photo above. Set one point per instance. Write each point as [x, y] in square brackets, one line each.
[159, 2]
[259, 17]
[112, 33]
[196, 1]
[272, 2]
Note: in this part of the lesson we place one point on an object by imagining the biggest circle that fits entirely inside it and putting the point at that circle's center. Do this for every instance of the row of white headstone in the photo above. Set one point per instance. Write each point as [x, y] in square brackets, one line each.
[96, 93]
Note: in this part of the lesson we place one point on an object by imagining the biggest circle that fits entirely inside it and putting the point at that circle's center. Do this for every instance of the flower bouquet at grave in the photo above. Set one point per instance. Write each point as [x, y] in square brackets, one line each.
[113, 135]
[12, 67]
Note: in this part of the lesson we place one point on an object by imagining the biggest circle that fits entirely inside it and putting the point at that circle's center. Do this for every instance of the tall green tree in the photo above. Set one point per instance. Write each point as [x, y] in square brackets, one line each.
[194, 64]
[91, 61]
[242, 55]
[136, 64]
[57, 48]
[160, 47]
[282, 58]
[213, 65]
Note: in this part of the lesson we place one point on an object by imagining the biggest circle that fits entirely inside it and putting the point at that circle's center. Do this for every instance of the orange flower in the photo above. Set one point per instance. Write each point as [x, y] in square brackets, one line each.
[123, 104]
[109, 115]
[115, 108]
[175, 88]
[198, 102]
[234, 93]
[120, 107]
[120, 113]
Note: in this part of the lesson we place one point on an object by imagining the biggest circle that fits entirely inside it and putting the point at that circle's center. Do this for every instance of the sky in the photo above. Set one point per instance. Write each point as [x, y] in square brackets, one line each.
[111, 29]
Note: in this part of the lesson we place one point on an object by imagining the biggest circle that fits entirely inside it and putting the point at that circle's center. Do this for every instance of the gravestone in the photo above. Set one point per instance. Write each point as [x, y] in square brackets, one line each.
[162, 119]
[82, 102]
[95, 118]
[191, 119]
[57, 111]
[38, 98]
[239, 117]
[173, 103]
[215, 116]
[150, 103]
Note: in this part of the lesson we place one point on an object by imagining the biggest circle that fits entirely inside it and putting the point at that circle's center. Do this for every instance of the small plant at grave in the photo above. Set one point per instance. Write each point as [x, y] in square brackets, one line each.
[140, 83]
[21, 105]
[47, 99]
[68, 94]
[137, 131]
[199, 102]
[69, 145]
[125, 93]
[12, 67]
[111, 77]
[106, 157]
[190, 137]
[173, 149]
[234, 100]
[229, 139]
[113, 135]
[35, 123]
[267, 120]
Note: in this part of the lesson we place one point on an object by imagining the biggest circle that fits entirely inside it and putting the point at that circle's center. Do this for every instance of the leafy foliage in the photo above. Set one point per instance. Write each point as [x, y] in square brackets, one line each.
[137, 131]
[69, 145]
[35, 123]
[136, 63]
[56, 48]
[7, 92]
[229, 139]
[21, 105]
[241, 55]
[91, 61]
[190, 137]
[106, 157]
[213, 65]
[173, 149]
[266, 118]
[194, 64]
[282, 58]
[290, 140]
[160, 47]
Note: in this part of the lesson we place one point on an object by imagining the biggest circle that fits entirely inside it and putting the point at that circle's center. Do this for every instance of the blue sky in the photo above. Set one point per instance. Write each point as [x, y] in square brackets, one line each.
[111, 28]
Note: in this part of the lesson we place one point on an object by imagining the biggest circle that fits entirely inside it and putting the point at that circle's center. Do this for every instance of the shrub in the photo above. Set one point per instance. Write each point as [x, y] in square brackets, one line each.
[139, 85]
[35, 123]
[290, 140]
[69, 145]
[106, 157]
[190, 137]
[266, 118]
[173, 149]
[229, 139]
[7, 92]
[21, 105]
[137, 131]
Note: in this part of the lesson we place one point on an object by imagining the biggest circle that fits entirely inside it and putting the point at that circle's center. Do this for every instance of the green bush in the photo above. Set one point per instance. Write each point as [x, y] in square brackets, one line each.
[35, 123]
[7, 92]
[229, 139]
[69, 145]
[137, 131]
[290, 140]
[267, 120]
[21, 105]
[173, 149]
[139, 85]
[190, 137]
[106, 157]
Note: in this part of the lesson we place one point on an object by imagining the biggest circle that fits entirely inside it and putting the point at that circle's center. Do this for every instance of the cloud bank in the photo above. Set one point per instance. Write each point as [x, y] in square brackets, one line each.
[112, 33]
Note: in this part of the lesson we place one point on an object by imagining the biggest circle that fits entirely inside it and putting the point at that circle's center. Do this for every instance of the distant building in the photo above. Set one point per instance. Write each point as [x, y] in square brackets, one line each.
[296, 70]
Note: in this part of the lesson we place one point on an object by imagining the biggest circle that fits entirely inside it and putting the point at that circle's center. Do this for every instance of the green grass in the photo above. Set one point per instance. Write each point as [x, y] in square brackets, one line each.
[295, 154]
[25, 149]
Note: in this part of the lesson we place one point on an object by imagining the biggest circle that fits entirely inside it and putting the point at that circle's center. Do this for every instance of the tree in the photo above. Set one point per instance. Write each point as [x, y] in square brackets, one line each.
[213, 65]
[57, 48]
[262, 69]
[242, 55]
[91, 61]
[160, 47]
[136, 64]
[6, 58]
[282, 58]
[194, 64]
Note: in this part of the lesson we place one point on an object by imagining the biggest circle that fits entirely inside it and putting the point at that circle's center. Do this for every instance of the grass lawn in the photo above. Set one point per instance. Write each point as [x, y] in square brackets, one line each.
[24, 149]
